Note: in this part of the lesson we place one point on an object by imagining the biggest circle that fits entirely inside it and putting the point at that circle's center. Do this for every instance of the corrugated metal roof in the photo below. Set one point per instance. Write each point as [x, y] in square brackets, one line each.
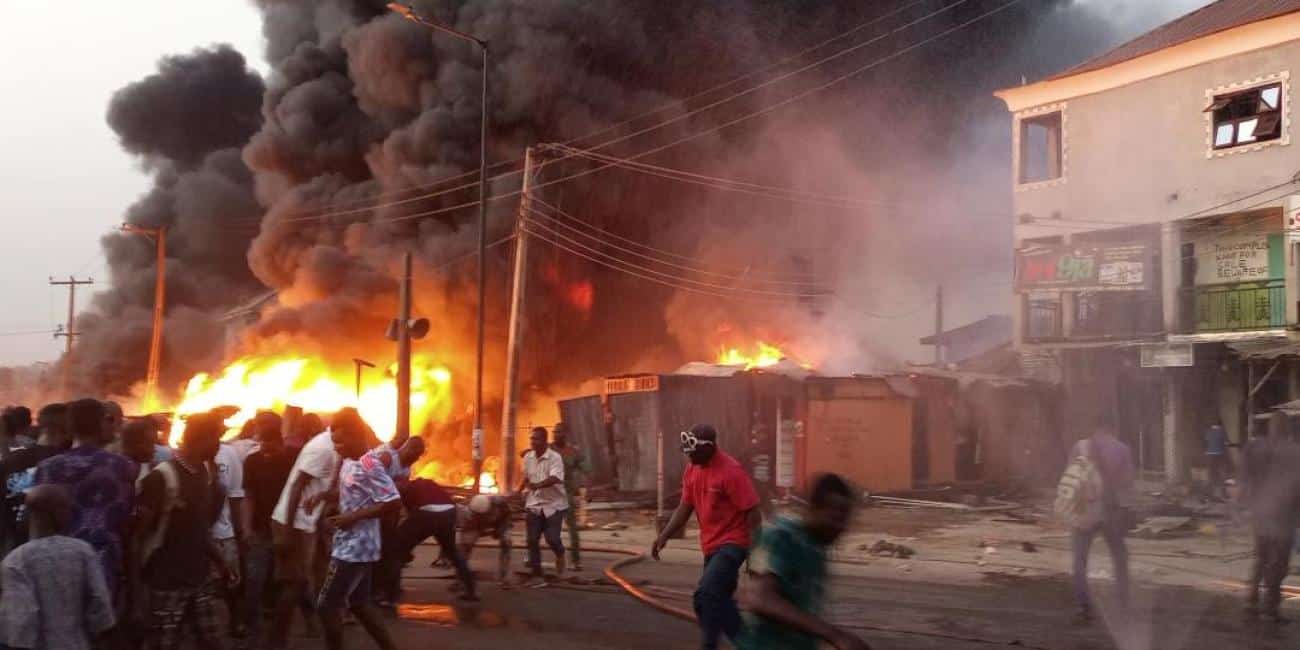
[1210, 19]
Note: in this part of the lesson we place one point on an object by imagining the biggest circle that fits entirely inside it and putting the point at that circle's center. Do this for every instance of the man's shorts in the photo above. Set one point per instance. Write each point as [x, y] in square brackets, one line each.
[295, 552]
[347, 584]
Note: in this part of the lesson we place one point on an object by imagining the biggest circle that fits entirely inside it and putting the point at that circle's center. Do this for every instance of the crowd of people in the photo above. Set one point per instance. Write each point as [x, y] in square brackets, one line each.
[113, 539]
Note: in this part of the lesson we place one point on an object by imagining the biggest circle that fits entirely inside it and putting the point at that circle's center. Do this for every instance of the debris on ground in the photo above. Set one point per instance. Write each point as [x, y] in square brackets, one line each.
[884, 548]
[614, 525]
[1165, 527]
[1028, 547]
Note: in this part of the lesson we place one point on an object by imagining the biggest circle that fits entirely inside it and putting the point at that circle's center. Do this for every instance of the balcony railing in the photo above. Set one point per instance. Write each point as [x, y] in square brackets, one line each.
[1234, 307]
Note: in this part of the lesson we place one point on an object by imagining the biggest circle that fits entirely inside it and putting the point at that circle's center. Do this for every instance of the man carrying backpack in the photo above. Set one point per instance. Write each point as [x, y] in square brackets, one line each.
[1092, 498]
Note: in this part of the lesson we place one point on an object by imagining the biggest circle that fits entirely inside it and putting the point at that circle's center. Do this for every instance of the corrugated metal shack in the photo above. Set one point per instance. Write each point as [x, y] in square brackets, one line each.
[888, 433]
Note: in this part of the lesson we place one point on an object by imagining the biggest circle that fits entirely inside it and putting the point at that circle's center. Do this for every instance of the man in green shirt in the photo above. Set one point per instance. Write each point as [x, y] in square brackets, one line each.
[782, 608]
[575, 484]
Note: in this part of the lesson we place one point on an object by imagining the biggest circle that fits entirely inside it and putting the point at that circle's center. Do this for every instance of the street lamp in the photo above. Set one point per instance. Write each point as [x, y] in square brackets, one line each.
[409, 13]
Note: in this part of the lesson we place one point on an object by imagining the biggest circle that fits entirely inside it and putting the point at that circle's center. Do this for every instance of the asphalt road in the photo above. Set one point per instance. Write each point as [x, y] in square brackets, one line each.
[1001, 612]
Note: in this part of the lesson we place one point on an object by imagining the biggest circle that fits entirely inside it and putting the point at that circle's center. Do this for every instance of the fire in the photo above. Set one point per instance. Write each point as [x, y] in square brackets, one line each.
[271, 383]
[460, 474]
[763, 356]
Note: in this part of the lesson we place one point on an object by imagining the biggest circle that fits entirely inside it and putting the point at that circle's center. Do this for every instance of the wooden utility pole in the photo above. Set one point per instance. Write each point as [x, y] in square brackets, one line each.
[69, 330]
[403, 354]
[159, 237]
[518, 292]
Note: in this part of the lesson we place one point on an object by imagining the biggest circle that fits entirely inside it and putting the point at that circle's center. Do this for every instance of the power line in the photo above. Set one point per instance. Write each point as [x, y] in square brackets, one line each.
[743, 118]
[689, 268]
[552, 232]
[654, 111]
[28, 332]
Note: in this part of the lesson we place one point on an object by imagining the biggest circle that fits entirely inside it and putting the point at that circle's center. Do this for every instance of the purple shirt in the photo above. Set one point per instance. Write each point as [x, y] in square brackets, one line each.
[1114, 463]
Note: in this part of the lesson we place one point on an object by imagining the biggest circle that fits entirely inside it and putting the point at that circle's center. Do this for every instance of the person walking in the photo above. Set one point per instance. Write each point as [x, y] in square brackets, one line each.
[576, 470]
[102, 485]
[293, 528]
[266, 471]
[546, 503]
[52, 589]
[1101, 469]
[1271, 491]
[715, 488]
[789, 563]
[366, 493]
[179, 502]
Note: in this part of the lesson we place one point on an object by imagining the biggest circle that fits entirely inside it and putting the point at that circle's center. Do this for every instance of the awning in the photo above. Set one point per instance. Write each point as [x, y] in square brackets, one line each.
[1266, 348]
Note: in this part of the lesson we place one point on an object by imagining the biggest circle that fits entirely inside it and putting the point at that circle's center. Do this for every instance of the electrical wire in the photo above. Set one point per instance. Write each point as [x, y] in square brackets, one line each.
[626, 122]
[531, 226]
[649, 278]
[743, 118]
[799, 96]
[691, 269]
[27, 332]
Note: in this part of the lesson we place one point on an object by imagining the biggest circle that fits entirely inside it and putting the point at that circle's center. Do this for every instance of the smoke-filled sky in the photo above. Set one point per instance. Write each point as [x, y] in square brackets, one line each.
[68, 178]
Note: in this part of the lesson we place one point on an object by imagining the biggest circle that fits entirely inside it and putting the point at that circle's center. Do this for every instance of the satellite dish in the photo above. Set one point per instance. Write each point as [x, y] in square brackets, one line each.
[419, 328]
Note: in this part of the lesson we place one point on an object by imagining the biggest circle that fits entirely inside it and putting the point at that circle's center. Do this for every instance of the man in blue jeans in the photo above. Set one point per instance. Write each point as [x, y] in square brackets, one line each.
[546, 503]
[1106, 515]
[717, 490]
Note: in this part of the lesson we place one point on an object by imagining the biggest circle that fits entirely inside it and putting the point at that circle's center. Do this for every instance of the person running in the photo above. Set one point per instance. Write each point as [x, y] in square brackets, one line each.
[52, 589]
[575, 486]
[102, 485]
[293, 528]
[716, 488]
[366, 493]
[545, 503]
[789, 562]
[1105, 515]
[1272, 493]
[179, 502]
[487, 515]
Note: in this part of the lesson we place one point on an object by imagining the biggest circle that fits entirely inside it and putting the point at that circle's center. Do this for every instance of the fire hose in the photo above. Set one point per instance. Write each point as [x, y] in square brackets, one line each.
[634, 557]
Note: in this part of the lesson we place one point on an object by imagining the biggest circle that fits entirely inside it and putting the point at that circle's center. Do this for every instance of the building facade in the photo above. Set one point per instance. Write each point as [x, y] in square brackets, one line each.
[1156, 190]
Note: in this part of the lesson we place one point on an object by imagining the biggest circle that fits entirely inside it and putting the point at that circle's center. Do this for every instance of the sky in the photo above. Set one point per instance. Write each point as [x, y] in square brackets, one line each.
[64, 179]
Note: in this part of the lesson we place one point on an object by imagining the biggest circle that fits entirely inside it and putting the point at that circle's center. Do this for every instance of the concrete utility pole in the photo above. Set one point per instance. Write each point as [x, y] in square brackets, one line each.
[517, 295]
[159, 236]
[409, 13]
[69, 330]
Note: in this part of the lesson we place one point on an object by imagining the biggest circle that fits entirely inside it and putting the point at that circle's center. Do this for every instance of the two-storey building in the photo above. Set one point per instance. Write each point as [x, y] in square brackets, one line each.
[1156, 191]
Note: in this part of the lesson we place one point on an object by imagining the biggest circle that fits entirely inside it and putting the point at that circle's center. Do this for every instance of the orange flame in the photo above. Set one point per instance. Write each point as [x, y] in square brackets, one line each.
[271, 383]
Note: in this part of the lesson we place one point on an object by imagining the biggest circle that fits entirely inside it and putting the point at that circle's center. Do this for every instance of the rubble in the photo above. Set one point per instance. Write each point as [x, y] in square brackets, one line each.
[884, 548]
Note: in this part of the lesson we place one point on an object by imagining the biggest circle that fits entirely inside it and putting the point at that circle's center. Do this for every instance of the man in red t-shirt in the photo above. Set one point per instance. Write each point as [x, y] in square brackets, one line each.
[717, 489]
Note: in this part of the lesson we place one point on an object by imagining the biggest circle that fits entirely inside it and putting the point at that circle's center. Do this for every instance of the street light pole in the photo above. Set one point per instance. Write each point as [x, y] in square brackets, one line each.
[477, 439]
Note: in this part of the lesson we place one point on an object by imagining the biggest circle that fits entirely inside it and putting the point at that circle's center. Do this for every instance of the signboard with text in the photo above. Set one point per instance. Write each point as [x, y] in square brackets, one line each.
[1108, 267]
[1248, 257]
[1168, 355]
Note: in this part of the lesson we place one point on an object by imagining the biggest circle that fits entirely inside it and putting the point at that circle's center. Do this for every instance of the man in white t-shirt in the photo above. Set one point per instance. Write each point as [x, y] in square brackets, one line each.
[228, 530]
[293, 527]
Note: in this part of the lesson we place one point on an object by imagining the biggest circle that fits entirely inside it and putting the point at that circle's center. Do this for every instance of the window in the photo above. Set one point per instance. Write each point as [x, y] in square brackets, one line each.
[1247, 117]
[1040, 148]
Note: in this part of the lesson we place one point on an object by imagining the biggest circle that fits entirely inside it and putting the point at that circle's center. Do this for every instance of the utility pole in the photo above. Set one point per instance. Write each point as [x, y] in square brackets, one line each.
[159, 236]
[403, 353]
[69, 330]
[360, 363]
[518, 292]
[938, 326]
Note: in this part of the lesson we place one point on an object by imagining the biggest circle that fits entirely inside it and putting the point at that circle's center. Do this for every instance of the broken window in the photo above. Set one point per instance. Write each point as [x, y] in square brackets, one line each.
[1247, 117]
[1040, 148]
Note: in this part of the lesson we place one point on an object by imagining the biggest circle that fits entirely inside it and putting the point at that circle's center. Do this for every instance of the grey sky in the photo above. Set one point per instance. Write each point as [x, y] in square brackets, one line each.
[64, 179]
